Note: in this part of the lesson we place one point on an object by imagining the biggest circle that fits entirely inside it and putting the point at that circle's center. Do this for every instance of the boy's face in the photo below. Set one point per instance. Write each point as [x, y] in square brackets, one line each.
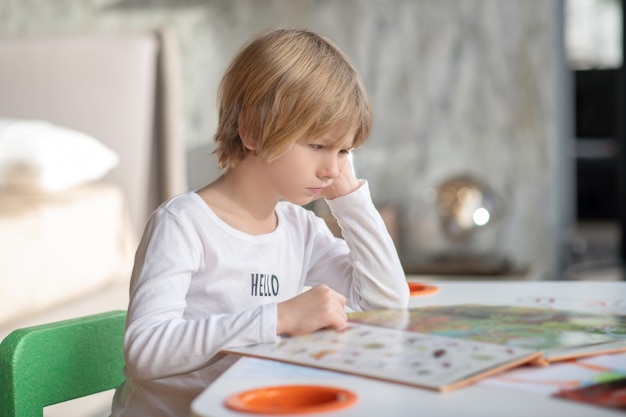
[302, 174]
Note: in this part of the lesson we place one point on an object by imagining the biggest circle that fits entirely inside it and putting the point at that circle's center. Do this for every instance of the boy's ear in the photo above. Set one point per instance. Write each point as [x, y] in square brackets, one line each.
[247, 141]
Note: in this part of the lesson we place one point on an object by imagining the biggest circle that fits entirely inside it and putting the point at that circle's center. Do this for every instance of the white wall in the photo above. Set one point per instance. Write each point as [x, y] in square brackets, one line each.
[458, 86]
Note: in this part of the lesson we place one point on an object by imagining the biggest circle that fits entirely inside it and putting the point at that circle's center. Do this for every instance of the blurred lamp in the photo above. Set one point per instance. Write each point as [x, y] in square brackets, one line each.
[465, 204]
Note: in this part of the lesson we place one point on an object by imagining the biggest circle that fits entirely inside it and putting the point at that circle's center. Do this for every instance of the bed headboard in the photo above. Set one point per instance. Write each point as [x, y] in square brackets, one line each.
[122, 89]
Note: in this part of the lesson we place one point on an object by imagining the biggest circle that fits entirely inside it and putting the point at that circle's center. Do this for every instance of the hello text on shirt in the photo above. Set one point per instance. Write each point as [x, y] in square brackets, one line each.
[263, 285]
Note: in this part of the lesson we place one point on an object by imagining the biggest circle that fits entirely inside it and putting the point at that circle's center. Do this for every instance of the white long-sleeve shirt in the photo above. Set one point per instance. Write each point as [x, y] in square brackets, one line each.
[199, 286]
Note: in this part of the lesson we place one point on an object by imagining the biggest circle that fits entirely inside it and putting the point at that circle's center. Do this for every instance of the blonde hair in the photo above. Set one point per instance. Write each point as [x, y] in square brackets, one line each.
[284, 86]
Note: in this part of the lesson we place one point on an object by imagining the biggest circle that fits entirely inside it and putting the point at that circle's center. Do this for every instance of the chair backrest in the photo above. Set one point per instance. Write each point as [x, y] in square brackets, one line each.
[56, 362]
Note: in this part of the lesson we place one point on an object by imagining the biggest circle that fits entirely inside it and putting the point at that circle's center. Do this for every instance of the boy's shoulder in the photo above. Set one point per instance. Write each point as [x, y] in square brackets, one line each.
[184, 199]
[180, 204]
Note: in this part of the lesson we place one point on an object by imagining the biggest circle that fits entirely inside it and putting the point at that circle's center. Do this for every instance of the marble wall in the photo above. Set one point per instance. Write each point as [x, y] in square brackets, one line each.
[459, 87]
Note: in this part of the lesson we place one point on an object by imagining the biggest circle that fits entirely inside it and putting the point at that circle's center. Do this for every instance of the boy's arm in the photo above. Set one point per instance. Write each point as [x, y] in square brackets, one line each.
[377, 276]
[377, 279]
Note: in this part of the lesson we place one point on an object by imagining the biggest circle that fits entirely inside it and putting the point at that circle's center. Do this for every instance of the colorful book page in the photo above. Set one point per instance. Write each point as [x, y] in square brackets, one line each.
[610, 394]
[558, 334]
[422, 360]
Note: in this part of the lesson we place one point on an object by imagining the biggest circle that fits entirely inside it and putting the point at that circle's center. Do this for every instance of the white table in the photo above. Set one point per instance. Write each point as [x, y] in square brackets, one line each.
[377, 398]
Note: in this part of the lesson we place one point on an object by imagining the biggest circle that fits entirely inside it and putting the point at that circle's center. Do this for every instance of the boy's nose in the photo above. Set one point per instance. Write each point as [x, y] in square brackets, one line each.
[330, 168]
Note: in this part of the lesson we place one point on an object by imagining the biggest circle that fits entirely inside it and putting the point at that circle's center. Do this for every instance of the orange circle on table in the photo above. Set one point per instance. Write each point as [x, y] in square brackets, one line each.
[416, 288]
[291, 399]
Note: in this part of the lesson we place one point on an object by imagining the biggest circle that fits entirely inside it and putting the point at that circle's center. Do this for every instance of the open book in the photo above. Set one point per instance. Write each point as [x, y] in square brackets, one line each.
[557, 334]
[447, 347]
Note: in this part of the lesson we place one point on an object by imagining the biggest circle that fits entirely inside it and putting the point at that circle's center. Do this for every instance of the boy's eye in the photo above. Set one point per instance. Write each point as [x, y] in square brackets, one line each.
[320, 147]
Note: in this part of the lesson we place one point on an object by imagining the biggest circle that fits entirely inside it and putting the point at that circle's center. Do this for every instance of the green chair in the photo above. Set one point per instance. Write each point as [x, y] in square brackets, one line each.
[56, 362]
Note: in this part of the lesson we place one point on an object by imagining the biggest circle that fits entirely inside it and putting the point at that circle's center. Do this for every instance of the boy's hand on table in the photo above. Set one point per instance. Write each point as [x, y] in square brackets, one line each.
[320, 307]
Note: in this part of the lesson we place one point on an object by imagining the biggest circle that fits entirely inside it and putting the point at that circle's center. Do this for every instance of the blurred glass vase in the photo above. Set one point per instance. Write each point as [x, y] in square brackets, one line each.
[465, 204]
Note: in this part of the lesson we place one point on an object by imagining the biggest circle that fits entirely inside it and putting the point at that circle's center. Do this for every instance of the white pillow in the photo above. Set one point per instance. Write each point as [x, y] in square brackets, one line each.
[38, 155]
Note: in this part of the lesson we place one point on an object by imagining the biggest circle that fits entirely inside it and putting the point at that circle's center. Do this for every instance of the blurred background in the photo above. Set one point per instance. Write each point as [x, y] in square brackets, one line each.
[496, 143]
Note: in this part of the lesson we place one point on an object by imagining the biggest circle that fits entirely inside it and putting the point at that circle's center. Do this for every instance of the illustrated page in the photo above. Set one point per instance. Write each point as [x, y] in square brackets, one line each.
[559, 334]
[423, 360]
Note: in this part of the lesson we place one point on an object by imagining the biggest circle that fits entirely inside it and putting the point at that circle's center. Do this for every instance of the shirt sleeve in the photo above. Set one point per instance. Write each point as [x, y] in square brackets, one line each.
[159, 340]
[364, 266]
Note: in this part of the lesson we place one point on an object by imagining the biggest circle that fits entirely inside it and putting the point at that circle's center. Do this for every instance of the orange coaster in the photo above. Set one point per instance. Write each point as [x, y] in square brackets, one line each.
[291, 399]
[417, 288]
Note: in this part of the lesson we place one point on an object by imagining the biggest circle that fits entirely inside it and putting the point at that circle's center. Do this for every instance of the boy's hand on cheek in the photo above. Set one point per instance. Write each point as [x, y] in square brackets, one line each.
[320, 307]
[344, 184]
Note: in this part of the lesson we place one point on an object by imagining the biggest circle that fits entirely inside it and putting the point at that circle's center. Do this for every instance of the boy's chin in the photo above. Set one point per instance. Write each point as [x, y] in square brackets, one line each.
[303, 201]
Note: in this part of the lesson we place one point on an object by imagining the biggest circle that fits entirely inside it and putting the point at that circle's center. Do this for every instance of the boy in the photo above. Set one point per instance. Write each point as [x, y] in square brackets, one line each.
[225, 265]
